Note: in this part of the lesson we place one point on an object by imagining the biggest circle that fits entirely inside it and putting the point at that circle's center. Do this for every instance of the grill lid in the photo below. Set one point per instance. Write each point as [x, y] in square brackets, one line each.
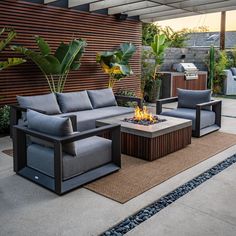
[189, 69]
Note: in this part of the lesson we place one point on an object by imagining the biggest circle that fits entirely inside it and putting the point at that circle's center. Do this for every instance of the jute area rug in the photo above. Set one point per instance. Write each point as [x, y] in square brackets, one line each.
[137, 176]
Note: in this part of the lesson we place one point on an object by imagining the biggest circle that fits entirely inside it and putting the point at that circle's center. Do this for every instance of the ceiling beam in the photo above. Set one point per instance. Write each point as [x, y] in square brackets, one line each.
[49, 1]
[218, 5]
[133, 6]
[75, 3]
[149, 10]
[214, 10]
[163, 13]
[154, 19]
[190, 3]
[110, 3]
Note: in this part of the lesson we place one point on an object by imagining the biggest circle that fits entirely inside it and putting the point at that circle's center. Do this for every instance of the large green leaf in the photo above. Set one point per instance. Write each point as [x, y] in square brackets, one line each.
[106, 57]
[61, 51]
[127, 49]
[43, 46]
[49, 65]
[10, 36]
[67, 54]
[76, 63]
[11, 62]
[2, 31]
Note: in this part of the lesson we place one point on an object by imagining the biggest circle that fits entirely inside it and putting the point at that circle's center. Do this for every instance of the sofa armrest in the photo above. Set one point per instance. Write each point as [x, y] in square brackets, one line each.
[130, 99]
[211, 103]
[216, 107]
[159, 103]
[69, 138]
[24, 109]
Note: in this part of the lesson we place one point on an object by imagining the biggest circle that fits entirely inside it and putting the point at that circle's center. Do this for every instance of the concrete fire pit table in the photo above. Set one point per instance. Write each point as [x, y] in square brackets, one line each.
[153, 141]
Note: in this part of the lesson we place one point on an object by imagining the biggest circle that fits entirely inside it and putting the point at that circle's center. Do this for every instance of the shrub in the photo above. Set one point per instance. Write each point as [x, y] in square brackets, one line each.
[4, 119]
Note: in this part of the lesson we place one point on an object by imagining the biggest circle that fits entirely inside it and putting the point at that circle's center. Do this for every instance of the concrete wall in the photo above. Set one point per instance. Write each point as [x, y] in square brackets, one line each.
[174, 55]
[194, 55]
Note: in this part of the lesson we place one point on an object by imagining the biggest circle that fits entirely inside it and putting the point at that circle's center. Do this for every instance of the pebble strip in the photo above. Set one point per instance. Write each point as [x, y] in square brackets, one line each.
[142, 215]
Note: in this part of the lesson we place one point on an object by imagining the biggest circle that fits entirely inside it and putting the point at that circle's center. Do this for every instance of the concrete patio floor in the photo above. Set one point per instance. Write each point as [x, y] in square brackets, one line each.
[210, 209]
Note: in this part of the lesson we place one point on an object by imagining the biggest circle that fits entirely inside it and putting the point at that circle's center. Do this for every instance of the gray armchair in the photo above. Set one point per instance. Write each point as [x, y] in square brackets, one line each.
[50, 154]
[195, 105]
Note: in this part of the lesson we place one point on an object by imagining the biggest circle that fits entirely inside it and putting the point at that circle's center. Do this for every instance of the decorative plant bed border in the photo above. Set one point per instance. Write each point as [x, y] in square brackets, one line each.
[145, 213]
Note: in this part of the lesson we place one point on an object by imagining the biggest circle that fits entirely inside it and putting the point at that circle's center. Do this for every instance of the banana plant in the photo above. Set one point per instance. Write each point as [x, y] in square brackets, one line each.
[55, 67]
[158, 46]
[11, 34]
[116, 63]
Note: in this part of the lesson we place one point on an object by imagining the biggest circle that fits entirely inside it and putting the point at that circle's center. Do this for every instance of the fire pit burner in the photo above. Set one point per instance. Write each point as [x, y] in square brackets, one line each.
[143, 117]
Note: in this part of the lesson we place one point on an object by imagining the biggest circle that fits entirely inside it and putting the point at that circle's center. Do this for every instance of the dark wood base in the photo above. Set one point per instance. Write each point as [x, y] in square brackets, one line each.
[153, 148]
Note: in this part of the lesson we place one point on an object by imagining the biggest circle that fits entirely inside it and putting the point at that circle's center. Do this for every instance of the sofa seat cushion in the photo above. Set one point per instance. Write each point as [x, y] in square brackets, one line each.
[91, 153]
[75, 101]
[47, 103]
[190, 98]
[207, 117]
[87, 119]
[102, 98]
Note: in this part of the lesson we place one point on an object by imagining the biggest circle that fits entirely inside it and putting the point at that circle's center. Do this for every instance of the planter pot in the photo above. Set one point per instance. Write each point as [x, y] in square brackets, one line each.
[156, 91]
[4, 132]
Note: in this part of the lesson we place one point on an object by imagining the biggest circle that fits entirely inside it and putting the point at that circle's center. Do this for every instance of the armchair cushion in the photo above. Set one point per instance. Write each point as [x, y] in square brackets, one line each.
[207, 117]
[102, 98]
[91, 153]
[190, 98]
[52, 125]
[75, 101]
[47, 103]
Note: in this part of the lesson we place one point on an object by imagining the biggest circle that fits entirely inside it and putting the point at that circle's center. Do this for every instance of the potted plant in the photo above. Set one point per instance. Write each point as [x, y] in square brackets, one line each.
[116, 63]
[57, 66]
[158, 47]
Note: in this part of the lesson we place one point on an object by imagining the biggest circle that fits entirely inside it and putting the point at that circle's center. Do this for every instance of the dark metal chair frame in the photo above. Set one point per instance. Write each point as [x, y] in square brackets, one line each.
[216, 107]
[57, 184]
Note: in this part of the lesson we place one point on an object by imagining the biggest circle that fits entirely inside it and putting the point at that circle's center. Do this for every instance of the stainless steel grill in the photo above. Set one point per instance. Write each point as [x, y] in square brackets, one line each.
[189, 69]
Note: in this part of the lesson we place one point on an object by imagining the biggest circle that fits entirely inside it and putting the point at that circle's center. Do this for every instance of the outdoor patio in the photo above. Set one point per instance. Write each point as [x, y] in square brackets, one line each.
[111, 124]
[28, 209]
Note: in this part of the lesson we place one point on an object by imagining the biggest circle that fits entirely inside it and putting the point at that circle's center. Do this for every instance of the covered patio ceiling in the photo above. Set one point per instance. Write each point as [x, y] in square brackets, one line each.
[154, 10]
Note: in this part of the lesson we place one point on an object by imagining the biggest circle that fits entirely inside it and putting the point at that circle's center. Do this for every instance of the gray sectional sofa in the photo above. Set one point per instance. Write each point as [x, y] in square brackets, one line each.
[56, 143]
[85, 107]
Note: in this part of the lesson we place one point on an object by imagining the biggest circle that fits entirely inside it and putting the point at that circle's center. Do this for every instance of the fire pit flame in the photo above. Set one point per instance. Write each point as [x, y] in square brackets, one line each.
[143, 117]
[144, 114]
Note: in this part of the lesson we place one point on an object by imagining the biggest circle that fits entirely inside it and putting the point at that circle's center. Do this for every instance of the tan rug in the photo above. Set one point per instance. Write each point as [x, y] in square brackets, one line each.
[137, 176]
[9, 152]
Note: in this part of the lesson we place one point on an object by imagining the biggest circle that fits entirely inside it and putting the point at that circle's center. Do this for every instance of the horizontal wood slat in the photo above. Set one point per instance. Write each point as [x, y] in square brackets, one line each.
[56, 25]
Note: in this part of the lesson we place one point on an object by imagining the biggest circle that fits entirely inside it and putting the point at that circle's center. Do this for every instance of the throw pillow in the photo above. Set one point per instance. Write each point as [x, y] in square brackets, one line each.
[75, 101]
[102, 98]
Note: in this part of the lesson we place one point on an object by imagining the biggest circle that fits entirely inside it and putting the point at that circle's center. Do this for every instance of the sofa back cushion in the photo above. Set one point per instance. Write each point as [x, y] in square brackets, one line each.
[47, 103]
[102, 98]
[75, 101]
[52, 125]
[190, 98]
